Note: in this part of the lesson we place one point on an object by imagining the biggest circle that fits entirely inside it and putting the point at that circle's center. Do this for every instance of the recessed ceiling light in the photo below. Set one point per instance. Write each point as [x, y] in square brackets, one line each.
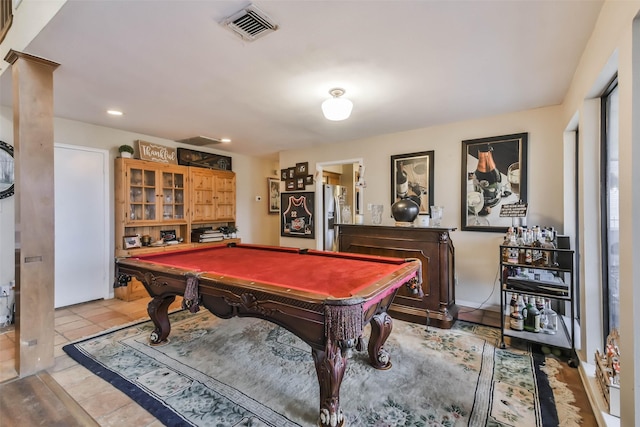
[225, 140]
[114, 112]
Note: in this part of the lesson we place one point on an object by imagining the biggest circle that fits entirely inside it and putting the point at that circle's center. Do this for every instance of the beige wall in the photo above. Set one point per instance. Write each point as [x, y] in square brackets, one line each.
[253, 220]
[476, 252]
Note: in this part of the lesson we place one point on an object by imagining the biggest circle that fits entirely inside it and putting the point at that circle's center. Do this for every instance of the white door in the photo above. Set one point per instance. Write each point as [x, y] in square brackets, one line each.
[81, 224]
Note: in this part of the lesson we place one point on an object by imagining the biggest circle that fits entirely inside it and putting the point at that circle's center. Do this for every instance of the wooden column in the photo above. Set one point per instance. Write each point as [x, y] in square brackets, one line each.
[33, 151]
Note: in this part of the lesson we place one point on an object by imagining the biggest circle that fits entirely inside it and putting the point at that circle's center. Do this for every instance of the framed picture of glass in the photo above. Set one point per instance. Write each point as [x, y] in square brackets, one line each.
[412, 177]
[494, 174]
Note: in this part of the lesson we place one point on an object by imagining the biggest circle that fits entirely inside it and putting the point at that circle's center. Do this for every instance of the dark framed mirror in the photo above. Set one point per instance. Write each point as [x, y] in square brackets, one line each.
[6, 170]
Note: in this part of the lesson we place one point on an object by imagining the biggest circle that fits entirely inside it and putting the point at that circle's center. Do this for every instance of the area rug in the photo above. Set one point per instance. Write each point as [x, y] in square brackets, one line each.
[249, 372]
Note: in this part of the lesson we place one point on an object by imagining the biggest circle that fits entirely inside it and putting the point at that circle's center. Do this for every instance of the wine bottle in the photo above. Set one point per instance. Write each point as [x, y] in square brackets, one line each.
[516, 319]
[488, 178]
[531, 316]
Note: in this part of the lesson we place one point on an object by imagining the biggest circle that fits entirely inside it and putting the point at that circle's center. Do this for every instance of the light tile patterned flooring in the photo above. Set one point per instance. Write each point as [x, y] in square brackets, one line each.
[105, 404]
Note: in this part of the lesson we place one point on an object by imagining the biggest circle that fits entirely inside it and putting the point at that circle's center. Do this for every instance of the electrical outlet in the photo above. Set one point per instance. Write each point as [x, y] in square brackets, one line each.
[369, 206]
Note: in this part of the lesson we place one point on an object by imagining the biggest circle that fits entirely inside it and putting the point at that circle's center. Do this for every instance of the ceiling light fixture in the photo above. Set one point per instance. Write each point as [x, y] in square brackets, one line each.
[114, 112]
[337, 108]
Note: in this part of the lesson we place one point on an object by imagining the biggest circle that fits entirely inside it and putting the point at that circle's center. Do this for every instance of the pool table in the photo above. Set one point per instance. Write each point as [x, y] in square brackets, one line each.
[325, 298]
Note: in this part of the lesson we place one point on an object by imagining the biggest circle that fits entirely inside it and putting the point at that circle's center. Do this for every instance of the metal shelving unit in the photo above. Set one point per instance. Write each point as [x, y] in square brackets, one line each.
[561, 290]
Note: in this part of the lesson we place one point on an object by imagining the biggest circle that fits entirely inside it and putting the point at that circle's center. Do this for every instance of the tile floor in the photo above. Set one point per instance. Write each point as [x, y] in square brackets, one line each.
[105, 404]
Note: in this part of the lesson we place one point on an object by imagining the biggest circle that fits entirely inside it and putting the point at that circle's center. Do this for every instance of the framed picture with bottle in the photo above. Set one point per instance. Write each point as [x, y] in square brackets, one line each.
[412, 177]
[494, 174]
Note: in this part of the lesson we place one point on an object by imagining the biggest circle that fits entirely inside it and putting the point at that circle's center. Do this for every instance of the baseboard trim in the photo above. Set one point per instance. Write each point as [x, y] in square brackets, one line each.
[598, 404]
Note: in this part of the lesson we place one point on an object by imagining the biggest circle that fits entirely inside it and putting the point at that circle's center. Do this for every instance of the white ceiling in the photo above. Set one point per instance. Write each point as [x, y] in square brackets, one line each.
[177, 73]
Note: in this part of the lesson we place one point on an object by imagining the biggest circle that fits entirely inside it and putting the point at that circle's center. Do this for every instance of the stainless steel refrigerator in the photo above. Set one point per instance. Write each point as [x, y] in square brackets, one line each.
[334, 198]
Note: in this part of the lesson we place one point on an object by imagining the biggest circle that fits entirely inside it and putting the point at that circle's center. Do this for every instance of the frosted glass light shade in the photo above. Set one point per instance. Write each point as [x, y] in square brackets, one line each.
[337, 109]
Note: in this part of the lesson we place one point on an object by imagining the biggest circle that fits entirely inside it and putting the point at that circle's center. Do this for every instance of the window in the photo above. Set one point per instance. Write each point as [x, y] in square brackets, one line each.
[610, 208]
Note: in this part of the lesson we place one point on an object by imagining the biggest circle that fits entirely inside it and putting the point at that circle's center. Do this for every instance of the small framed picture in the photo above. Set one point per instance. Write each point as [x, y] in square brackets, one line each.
[132, 242]
[290, 184]
[274, 195]
[308, 180]
[302, 169]
[291, 173]
[300, 185]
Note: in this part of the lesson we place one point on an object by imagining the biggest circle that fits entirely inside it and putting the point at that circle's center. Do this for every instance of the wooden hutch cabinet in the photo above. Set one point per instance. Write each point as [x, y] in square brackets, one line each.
[151, 197]
[213, 195]
[432, 246]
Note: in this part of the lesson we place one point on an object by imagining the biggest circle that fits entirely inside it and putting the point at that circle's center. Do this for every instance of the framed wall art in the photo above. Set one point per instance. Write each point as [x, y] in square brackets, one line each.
[6, 170]
[132, 242]
[273, 185]
[297, 218]
[302, 169]
[494, 174]
[412, 176]
[201, 159]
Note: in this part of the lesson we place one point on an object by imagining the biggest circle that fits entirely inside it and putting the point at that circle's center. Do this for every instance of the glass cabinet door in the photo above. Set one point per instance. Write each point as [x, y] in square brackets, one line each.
[173, 196]
[142, 195]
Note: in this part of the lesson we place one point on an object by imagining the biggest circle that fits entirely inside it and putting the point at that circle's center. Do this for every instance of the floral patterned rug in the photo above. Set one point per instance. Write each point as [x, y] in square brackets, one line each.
[249, 372]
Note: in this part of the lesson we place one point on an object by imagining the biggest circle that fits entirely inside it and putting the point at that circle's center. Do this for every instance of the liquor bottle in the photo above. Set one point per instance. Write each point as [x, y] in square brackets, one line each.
[548, 253]
[488, 177]
[516, 319]
[506, 242]
[402, 183]
[513, 248]
[531, 316]
[522, 251]
[537, 257]
[548, 318]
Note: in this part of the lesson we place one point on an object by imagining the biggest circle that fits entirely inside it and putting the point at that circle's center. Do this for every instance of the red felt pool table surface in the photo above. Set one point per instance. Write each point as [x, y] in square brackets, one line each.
[336, 275]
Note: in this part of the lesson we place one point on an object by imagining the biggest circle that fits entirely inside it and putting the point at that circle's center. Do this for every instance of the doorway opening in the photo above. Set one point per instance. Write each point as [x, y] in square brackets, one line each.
[339, 198]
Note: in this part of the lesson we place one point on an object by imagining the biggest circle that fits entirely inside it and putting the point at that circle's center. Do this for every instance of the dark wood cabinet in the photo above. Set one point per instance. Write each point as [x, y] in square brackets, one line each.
[432, 246]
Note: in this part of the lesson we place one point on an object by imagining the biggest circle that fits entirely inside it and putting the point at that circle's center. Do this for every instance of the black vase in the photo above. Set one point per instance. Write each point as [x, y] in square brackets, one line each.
[405, 210]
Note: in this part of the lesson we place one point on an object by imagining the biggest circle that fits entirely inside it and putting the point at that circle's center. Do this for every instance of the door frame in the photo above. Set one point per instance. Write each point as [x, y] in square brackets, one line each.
[107, 229]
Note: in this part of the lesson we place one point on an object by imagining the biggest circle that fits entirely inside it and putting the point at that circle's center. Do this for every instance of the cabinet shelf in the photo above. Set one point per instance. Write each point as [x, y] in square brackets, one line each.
[561, 339]
[152, 197]
[554, 282]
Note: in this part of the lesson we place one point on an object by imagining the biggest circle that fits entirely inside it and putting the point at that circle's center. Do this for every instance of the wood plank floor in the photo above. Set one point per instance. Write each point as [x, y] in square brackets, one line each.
[69, 395]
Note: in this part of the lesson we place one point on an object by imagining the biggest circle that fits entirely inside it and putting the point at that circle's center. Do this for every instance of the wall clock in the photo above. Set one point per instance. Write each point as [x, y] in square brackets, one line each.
[6, 170]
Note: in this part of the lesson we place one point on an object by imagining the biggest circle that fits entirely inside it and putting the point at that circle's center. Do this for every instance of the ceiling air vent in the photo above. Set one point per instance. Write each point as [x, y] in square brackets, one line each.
[199, 141]
[250, 23]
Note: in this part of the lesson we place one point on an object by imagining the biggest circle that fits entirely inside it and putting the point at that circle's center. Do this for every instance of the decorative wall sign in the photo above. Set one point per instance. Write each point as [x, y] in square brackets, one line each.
[494, 173]
[201, 159]
[297, 215]
[273, 185]
[157, 153]
[412, 177]
[6, 170]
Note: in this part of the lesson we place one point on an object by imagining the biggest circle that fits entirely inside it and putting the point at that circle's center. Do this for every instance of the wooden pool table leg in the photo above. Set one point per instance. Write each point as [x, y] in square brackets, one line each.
[158, 312]
[381, 325]
[330, 366]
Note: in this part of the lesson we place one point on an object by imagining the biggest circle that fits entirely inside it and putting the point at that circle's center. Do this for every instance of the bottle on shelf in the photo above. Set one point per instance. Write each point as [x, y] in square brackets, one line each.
[522, 251]
[531, 316]
[516, 319]
[506, 242]
[549, 256]
[537, 257]
[548, 318]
